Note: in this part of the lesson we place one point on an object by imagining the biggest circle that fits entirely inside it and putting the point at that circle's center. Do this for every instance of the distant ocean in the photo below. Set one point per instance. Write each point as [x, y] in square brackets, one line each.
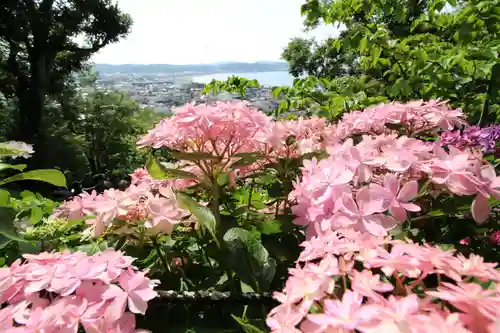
[264, 78]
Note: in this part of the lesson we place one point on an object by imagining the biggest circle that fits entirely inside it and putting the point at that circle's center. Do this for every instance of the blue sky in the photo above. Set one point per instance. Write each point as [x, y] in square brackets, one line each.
[206, 31]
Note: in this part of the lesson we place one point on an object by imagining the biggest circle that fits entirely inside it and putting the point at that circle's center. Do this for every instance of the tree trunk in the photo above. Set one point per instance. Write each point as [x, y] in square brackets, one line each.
[31, 110]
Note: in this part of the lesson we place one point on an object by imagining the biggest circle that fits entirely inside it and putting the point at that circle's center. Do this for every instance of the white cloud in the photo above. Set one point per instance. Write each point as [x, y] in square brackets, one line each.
[202, 31]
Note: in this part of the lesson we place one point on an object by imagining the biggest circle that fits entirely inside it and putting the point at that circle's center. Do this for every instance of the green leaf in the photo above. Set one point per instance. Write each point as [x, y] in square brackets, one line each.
[363, 44]
[51, 176]
[375, 54]
[266, 275]
[246, 288]
[245, 326]
[160, 172]
[249, 258]
[269, 227]
[4, 197]
[20, 167]
[7, 216]
[194, 156]
[246, 159]
[201, 213]
[223, 179]
[36, 215]
[237, 238]
[28, 195]
[93, 248]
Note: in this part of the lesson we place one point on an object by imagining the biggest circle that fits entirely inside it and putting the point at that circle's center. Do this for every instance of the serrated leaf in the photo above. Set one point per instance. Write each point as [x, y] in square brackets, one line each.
[202, 214]
[160, 172]
[236, 238]
[51, 176]
[249, 258]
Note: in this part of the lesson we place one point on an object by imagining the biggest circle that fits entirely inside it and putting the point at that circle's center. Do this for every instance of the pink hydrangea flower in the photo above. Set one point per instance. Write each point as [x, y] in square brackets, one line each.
[85, 292]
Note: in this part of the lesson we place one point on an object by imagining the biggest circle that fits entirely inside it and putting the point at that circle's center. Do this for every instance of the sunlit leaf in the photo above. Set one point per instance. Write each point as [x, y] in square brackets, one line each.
[160, 172]
[51, 176]
[19, 167]
[203, 215]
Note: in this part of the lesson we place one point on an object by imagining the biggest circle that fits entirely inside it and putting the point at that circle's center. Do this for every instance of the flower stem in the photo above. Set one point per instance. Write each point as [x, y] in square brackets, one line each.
[164, 261]
[215, 201]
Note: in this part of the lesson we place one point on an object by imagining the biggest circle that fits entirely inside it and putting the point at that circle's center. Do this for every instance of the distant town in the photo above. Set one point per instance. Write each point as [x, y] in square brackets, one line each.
[163, 87]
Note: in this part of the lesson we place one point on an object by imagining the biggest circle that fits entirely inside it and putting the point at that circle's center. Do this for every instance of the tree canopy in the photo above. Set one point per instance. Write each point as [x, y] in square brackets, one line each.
[406, 49]
[40, 48]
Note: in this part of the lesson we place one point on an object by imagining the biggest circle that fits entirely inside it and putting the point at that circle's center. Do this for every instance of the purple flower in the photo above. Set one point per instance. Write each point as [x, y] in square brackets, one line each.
[486, 138]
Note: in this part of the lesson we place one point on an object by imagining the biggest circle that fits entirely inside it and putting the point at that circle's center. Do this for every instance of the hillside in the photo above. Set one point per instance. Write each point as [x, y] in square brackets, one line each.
[227, 67]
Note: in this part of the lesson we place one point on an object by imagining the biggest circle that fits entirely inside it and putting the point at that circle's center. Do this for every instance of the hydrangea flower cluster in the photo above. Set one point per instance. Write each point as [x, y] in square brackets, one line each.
[332, 192]
[16, 149]
[370, 186]
[412, 117]
[158, 211]
[228, 130]
[61, 292]
[221, 130]
[486, 138]
[351, 277]
[352, 282]
[292, 138]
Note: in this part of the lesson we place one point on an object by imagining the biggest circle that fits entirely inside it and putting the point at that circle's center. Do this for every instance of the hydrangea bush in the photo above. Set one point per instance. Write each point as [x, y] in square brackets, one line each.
[352, 276]
[391, 202]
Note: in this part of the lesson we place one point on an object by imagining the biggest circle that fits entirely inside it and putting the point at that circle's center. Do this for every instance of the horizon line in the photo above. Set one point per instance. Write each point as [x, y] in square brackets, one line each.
[194, 64]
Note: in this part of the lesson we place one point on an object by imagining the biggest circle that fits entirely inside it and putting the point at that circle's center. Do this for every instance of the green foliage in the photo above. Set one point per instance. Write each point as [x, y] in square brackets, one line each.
[402, 50]
[249, 258]
[39, 51]
[97, 135]
[234, 84]
[203, 215]
[54, 177]
[158, 170]
[23, 217]
[245, 326]
[329, 98]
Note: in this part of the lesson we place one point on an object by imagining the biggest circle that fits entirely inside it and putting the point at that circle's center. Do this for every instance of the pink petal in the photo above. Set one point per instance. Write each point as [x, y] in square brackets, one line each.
[488, 173]
[495, 183]
[480, 209]
[364, 173]
[319, 319]
[136, 304]
[341, 220]
[388, 222]
[409, 191]
[349, 206]
[372, 201]
[373, 225]
[36, 286]
[410, 206]
[116, 308]
[391, 182]
[399, 213]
